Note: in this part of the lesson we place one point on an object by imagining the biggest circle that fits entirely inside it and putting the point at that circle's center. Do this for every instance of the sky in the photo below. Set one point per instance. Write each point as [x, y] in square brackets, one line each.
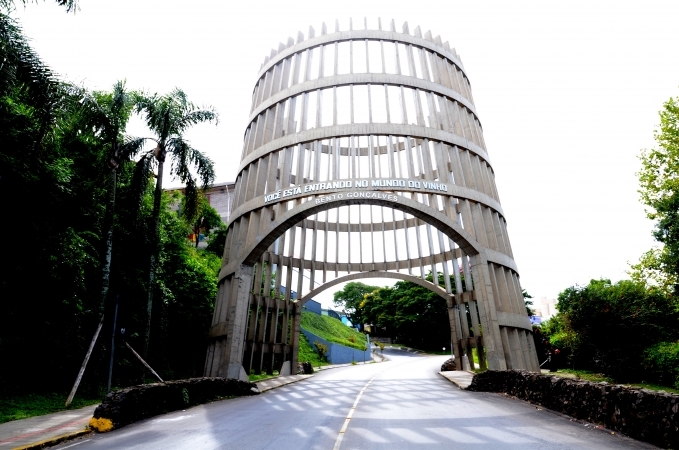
[568, 94]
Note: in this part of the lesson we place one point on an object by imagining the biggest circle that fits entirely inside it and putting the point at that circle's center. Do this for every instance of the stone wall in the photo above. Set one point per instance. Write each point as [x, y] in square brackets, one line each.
[135, 403]
[639, 413]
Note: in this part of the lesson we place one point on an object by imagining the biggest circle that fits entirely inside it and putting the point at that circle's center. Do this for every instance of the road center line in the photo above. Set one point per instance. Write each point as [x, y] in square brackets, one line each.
[77, 443]
[340, 436]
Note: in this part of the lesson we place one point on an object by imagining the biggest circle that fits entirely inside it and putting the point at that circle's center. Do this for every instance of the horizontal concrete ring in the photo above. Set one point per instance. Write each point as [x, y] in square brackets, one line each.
[378, 79]
[363, 129]
[361, 35]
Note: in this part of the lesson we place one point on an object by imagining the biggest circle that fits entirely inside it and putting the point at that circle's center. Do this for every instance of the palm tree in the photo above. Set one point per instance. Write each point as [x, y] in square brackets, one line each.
[23, 73]
[70, 5]
[169, 116]
[108, 114]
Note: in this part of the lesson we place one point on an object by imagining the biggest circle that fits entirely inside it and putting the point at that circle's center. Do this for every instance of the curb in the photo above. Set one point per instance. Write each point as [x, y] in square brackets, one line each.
[407, 349]
[330, 366]
[55, 440]
[285, 383]
[455, 382]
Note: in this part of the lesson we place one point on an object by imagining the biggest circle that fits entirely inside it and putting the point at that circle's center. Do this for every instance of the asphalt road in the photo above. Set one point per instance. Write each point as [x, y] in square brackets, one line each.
[399, 404]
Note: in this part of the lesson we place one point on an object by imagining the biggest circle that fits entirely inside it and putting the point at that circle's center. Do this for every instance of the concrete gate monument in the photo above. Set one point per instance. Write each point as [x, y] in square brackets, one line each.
[364, 157]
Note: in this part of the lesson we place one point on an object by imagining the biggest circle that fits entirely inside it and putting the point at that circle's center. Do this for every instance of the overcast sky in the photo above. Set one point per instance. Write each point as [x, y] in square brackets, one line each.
[567, 93]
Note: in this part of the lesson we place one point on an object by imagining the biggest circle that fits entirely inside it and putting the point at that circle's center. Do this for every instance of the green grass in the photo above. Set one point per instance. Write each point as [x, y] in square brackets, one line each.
[16, 407]
[583, 375]
[262, 376]
[654, 387]
[306, 353]
[333, 330]
[598, 377]
[475, 356]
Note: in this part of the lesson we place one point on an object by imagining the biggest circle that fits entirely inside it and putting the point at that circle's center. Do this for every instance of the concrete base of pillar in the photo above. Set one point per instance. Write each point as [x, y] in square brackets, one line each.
[237, 372]
[285, 369]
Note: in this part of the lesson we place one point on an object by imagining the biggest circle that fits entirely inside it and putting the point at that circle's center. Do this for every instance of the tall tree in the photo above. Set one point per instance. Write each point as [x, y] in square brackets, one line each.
[24, 75]
[410, 313]
[350, 299]
[169, 116]
[53, 185]
[70, 5]
[659, 189]
[528, 302]
[204, 220]
[108, 114]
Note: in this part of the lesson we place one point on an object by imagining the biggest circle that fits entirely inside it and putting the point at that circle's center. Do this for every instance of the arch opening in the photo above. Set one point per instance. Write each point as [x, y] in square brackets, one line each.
[279, 288]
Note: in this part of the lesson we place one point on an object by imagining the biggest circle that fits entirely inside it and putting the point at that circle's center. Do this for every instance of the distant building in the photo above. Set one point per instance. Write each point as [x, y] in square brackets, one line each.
[545, 308]
[219, 196]
[332, 313]
[313, 306]
[535, 320]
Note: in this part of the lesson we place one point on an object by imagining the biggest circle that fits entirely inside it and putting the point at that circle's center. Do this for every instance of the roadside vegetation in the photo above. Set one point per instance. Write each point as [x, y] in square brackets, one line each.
[23, 406]
[308, 354]
[90, 229]
[333, 330]
[262, 376]
[628, 332]
[599, 377]
[407, 312]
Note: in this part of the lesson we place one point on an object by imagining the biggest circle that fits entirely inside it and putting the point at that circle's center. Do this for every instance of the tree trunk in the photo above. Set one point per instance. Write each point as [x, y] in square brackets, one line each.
[108, 224]
[155, 244]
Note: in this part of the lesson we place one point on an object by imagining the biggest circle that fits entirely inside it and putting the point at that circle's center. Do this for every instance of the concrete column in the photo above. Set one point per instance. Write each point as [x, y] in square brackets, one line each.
[296, 324]
[231, 365]
[491, 328]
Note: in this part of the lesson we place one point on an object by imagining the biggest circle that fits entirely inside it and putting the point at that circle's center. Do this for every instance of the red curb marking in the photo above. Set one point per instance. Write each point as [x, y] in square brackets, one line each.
[47, 430]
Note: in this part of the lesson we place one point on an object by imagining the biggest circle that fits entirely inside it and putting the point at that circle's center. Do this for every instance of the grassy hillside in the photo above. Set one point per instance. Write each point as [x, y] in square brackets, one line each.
[308, 353]
[333, 330]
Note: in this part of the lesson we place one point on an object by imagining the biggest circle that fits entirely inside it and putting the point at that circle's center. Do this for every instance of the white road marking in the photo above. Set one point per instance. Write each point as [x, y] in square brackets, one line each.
[340, 436]
[77, 443]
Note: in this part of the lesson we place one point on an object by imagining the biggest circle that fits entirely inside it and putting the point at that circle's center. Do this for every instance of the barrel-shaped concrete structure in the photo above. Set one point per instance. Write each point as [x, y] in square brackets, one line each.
[364, 157]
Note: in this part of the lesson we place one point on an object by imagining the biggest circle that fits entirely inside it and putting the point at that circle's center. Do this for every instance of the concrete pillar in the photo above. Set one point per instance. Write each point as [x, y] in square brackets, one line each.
[231, 364]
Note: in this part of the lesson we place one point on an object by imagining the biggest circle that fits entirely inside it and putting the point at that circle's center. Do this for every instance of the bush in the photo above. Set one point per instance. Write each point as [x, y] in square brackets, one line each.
[322, 349]
[147, 400]
[307, 353]
[608, 326]
[662, 363]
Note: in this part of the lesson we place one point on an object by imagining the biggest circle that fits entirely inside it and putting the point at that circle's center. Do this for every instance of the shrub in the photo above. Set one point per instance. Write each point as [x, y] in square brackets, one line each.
[322, 349]
[608, 326]
[662, 363]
